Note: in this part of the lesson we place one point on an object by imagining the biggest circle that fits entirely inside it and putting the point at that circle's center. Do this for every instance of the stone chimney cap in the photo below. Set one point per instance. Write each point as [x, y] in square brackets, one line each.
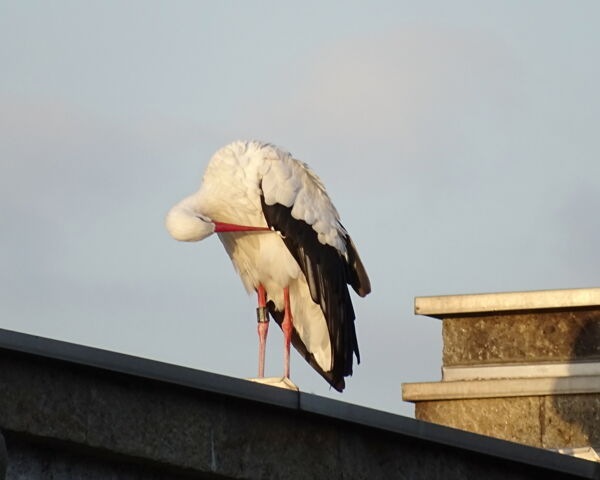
[455, 305]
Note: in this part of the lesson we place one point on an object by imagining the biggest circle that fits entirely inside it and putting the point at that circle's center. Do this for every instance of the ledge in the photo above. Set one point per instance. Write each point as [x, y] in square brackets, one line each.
[453, 305]
[520, 387]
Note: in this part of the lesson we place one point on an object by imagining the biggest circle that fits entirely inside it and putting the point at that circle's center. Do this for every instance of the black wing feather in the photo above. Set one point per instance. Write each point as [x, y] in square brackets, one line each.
[357, 275]
[328, 274]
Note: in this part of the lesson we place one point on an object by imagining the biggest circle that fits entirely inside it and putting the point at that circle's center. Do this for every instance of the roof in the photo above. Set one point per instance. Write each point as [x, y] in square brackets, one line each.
[47, 353]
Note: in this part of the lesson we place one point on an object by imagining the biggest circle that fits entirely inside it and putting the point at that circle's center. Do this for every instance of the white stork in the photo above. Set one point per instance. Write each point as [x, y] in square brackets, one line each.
[285, 239]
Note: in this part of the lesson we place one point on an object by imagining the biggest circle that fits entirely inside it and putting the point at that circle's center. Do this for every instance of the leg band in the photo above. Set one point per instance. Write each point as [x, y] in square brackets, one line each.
[262, 315]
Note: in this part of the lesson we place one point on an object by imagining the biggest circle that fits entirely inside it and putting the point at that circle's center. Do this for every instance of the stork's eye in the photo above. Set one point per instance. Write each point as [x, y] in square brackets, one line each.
[203, 218]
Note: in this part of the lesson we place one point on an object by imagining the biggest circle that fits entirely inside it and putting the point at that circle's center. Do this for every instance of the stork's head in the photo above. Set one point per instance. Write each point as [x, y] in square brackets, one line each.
[185, 224]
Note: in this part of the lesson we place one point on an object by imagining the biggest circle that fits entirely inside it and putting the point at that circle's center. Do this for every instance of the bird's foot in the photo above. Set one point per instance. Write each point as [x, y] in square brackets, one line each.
[281, 382]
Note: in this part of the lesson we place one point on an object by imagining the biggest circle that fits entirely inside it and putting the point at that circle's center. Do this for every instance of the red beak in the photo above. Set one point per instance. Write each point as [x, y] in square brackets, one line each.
[230, 227]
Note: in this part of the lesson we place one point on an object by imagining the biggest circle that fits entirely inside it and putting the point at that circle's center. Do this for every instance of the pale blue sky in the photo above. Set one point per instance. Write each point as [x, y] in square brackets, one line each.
[458, 140]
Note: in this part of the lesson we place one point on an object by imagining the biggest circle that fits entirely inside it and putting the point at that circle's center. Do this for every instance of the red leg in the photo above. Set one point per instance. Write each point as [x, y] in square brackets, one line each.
[286, 326]
[263, 328]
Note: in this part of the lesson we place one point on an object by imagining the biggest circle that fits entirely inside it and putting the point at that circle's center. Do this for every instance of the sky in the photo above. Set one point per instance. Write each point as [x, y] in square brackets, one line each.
[458, 140]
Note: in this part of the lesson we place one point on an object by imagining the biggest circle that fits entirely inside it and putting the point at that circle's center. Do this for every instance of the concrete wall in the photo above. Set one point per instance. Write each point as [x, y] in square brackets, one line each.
[71, 412]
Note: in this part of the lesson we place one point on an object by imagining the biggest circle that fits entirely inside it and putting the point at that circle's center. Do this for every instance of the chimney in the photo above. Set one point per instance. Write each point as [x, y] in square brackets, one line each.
[521, 366]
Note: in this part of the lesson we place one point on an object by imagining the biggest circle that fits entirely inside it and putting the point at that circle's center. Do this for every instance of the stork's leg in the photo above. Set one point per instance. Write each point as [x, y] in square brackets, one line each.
[286, 326]
[263, 328]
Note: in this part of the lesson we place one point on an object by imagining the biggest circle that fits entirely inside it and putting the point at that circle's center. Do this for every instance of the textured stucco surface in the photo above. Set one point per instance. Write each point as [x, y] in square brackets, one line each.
[572, 420]
[515, 419]
[547, 421]
[521, 337]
